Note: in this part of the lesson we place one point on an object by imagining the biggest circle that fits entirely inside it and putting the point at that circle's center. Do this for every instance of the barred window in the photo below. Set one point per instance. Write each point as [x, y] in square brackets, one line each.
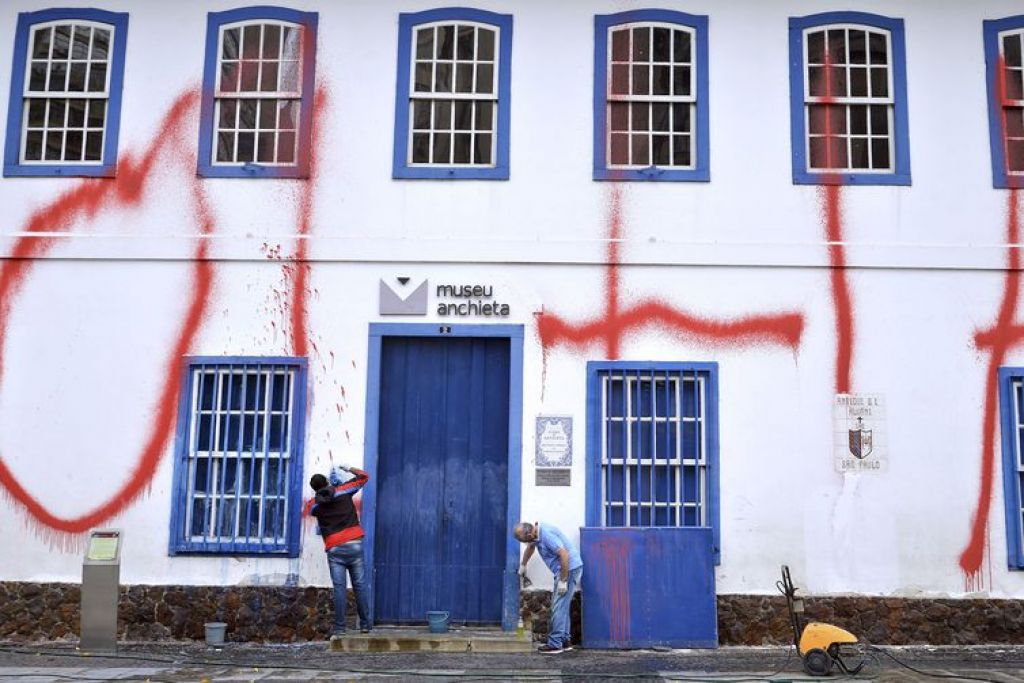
[849, 99]
[238, 462]
[1011, 398]
[654, 445]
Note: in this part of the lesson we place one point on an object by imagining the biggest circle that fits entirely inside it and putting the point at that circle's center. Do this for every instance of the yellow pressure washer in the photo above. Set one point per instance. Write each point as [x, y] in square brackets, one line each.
[820, 646]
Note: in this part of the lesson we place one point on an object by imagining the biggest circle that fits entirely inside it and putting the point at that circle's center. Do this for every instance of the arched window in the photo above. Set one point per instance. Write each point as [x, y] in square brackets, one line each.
[848, 99]
[258, 93]
[65, 107]
[452, 99]
[1004, 40]
[650, 96]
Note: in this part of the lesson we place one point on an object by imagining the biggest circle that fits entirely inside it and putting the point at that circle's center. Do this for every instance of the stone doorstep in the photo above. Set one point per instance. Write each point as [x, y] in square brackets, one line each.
[419, 639]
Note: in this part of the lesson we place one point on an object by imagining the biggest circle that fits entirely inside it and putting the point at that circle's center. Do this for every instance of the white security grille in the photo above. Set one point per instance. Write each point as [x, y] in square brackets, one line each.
[654, 465]
[238, 454]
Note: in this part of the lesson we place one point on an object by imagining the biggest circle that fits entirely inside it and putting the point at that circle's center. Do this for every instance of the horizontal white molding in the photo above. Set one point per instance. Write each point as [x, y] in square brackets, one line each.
[584, 252]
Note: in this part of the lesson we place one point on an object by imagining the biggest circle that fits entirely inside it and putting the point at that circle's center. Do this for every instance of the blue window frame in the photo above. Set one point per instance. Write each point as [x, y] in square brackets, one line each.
[651, 96]
[64, 112]
[452, 97]
[1011, 411]
[848, 99]
[652, 446]
[1005, 82]
[258, 84]
[238, 456]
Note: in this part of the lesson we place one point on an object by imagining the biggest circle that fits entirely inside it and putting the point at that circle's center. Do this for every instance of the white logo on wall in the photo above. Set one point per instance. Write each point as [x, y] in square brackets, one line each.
[859, 433]
[404, 298]
[462, 300]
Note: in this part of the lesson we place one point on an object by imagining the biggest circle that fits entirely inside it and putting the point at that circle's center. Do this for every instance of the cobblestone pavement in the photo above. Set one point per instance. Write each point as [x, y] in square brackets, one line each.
[182, 662]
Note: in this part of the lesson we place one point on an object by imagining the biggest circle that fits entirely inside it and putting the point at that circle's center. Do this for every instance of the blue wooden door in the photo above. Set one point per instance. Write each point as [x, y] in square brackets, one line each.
[442, 479]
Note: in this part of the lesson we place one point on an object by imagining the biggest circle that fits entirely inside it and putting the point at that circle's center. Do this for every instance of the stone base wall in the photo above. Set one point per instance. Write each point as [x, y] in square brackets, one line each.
[757, 620]
[34, 612]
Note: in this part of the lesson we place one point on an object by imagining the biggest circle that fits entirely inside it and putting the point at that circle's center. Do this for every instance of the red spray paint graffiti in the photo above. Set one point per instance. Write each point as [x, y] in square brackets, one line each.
[1004, 334]
[85, 200]
[998, 340]
[300, 288]
[614, 567]
[618, 323]
[830, 197]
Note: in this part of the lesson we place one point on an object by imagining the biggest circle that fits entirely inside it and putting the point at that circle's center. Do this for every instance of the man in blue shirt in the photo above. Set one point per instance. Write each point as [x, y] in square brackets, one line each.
[565, 563]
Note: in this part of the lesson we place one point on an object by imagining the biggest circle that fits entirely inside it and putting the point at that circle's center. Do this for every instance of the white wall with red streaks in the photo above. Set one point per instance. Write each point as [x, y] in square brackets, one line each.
[88, 329]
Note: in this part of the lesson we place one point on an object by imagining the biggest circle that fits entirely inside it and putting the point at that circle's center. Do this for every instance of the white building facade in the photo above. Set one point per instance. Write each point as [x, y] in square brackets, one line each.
[598, 264]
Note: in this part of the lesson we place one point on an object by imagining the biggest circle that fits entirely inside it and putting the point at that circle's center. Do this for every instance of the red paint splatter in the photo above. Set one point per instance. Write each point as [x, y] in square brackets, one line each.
[85, 200]
[617, 323]
[615, 554]
[1004, 334]
[300, 330]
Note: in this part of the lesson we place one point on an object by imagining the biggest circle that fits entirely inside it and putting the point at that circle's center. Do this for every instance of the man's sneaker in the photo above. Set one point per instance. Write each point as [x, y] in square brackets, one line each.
[337, 634]
[365, 629]
[546, 649]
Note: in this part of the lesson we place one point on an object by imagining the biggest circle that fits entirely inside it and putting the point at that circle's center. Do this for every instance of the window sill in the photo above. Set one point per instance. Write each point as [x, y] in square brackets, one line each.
[61, 171]
[882, 179]
[251, 170]
[232, 550]
[443, 173]
[654, 174]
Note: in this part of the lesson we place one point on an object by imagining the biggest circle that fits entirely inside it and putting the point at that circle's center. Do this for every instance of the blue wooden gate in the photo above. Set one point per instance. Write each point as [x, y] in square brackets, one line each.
[648, 587]
[440, 540]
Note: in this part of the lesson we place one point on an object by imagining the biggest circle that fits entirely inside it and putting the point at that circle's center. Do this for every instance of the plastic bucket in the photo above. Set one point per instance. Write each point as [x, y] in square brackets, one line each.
[215, 633]
[438, 621]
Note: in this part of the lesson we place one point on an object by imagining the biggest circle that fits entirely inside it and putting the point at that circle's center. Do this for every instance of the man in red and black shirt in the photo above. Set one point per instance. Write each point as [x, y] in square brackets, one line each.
[338, 523]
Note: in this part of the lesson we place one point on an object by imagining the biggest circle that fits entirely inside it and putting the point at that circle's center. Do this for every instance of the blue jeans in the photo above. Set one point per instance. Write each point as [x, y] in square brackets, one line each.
[558, 632]
[348, 556]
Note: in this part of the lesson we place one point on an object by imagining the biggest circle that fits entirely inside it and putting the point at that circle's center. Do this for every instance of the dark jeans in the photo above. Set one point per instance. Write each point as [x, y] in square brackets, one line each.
[348, 556]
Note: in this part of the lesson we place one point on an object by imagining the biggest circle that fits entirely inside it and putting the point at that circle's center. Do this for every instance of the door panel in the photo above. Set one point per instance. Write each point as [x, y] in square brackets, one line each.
[442, 478]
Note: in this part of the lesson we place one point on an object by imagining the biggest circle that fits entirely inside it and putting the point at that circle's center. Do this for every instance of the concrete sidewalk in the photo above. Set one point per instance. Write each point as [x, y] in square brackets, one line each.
[189, 661]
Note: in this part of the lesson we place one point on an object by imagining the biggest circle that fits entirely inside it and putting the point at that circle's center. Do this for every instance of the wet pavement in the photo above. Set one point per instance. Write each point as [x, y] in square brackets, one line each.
[189, 661]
